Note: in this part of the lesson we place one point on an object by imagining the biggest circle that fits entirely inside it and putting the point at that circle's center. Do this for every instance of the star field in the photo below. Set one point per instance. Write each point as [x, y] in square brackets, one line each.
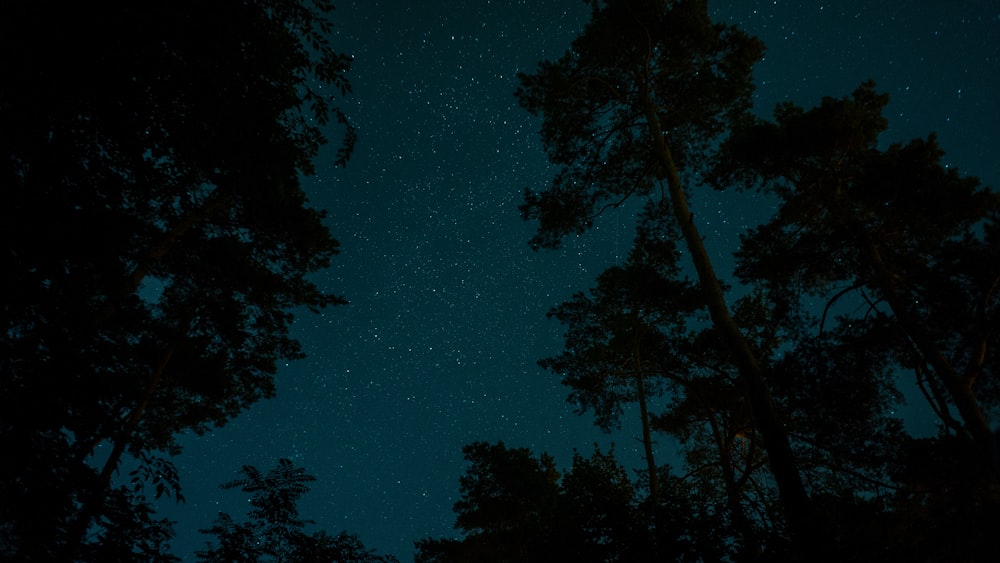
[447, 301]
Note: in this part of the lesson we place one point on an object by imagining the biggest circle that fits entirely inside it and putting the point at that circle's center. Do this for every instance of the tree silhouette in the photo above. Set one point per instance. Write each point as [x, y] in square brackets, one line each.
[900, 251]
[641, 336]
[898, 230]
[620, 339]
[642, 96]
[508, 502]
[156, 237]
[515, 507]
[275, 531]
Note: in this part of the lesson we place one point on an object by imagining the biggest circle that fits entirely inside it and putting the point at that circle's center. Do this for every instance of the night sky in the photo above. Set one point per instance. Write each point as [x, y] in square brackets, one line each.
[447, 317]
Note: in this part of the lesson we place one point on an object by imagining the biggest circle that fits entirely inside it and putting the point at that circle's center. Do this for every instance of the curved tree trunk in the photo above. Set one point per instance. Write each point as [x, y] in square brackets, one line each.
[779, 451]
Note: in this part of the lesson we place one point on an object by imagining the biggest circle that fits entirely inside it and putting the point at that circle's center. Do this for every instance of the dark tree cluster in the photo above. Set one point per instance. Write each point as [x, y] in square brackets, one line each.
[878, 269]
[155, 242]
[515, 506]
[274, 531]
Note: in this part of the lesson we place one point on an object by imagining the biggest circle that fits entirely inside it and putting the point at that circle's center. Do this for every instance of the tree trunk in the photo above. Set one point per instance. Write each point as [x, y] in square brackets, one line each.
[647, 442]
[750, 547]
[779, 452]
[90, 506]
[647, 435]
[959, 387]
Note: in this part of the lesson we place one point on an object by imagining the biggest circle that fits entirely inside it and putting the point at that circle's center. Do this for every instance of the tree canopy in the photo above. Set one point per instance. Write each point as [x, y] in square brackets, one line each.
[274, 530]
[647, 91]
[895, 226]
[516, 506]
[156, 237]
[651, 101]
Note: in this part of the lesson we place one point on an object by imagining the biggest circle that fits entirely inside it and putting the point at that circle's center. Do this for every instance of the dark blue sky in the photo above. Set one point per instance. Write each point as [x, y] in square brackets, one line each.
[447, 315]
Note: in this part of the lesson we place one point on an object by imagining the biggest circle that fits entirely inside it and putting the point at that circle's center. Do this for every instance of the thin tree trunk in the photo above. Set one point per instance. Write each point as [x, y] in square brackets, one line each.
[647, 442]
[647, 435]
[91, 503]
[779, 451]
[132, 423]
[959, 388]
[733, 494]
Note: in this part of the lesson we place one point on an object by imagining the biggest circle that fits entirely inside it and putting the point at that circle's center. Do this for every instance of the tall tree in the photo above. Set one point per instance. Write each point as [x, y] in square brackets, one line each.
[641, 97]
[156, 235]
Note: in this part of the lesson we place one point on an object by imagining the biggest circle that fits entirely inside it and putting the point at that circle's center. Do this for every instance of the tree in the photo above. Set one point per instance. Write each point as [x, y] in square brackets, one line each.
[620, 340]
[515, 507]
[904, 234]
[642, 96]
[156, 236]
[601, 517]
[640, 337]
[901, 249]
[507, 508]
[275, 532]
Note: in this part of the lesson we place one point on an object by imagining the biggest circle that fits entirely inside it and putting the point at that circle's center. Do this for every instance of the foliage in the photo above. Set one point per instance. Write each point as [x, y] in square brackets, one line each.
[130, 531]
[156, 236]
[834, 371]
[515, 507]
[625, 328]
[274, 531]
[898, 231]
[508, 498]
[879, 264]
[642, 100]
[636, 65]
